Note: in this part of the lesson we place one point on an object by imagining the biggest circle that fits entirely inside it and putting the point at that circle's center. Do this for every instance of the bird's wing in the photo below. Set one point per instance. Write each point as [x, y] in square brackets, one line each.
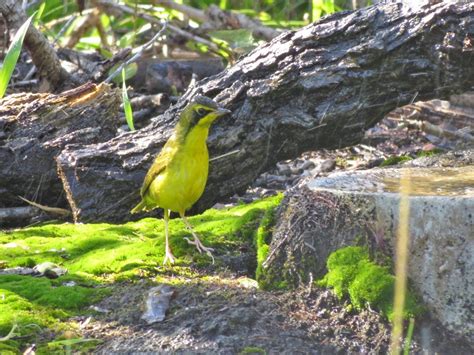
[158, 166]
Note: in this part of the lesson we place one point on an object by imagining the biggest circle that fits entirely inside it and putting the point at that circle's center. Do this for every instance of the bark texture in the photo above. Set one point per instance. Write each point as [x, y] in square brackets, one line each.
[34, 128]
[319, 87]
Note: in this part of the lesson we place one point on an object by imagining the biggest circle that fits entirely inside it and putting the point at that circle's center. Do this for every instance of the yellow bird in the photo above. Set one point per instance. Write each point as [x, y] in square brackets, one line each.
[177, 177]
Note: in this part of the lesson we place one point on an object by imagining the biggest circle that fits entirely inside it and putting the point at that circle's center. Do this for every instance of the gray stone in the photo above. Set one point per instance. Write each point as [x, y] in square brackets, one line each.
[362, 208]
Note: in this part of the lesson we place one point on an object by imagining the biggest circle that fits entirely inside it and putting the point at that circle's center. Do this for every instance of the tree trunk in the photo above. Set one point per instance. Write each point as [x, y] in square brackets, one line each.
[318, 87]
[34, 128]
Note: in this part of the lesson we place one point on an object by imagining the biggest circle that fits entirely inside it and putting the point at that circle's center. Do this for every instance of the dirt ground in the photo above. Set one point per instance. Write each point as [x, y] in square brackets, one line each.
[226, 314]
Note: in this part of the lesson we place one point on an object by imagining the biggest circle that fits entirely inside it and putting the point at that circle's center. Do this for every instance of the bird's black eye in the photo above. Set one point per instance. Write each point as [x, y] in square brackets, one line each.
[201, 112]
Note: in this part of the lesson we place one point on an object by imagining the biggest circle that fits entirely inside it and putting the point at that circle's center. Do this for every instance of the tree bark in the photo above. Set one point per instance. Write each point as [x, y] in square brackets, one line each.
[318, 87]
[34, 128]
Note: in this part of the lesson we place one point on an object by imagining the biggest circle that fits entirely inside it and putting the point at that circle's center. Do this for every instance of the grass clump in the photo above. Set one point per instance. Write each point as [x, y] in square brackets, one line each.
[395, 159]
[429, 153]
[351, 273]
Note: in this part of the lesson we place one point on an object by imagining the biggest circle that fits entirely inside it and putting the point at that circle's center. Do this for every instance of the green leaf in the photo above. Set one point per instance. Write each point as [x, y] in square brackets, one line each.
[40, 12]
[12, 56]
[130, 72]
[127, 107]
[69, 342]
[240, 38]
[127, 40]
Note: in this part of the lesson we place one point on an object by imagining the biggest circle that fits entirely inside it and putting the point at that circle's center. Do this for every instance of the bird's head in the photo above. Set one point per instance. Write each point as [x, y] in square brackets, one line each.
[202, 111]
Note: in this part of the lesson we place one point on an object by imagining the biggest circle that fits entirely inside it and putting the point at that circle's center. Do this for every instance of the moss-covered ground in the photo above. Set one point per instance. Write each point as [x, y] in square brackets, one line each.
[99, 255]
[352, 273]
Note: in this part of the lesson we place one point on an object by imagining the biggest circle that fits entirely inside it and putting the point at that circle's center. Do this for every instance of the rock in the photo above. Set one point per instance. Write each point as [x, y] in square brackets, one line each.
[283, 169]
[99, 309]
[50, 270]
[47, 269]
[17, 271]
[362, 207]
[324, 167]
[157, 303]
[307, 165]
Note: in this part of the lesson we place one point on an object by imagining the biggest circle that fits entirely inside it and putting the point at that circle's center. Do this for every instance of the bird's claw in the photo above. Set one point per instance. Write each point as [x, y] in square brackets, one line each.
[200, 247]
[169, 257]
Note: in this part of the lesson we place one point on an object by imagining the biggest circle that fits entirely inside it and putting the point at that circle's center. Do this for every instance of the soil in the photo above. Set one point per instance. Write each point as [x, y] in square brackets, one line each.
[225, 314]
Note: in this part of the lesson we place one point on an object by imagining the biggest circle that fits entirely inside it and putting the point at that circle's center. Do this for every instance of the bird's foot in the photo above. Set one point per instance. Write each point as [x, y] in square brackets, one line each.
[169, 257]
[200, 247]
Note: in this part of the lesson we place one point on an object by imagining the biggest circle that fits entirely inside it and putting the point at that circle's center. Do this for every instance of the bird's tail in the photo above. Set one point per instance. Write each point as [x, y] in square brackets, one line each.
[141, 207]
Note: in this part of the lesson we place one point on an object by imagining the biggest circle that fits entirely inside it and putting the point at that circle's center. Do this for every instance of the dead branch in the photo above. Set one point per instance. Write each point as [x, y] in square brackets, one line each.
[86, 22]
[108, 5]
[43, 55]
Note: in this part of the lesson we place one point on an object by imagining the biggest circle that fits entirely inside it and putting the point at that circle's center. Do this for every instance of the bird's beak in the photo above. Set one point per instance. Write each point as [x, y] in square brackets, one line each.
[221, 112]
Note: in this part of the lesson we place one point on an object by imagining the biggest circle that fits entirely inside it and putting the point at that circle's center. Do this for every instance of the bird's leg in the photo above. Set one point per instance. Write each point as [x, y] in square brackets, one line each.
[168, 255]
[196, 242]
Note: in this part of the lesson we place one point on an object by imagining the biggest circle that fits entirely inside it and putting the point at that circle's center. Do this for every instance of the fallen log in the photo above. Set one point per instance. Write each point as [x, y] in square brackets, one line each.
[34, 128]
[319, 87]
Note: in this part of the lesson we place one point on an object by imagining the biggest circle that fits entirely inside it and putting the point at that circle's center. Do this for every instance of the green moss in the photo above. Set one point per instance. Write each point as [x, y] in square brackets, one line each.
[97, 255]
[262, 244]
[395, 159]
[429, 153]
[352, 273]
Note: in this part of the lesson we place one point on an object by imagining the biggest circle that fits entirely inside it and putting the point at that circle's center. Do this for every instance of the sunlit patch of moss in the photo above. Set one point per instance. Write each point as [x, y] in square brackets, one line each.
[262, 242]
[68, 345]
[395, 159]
[352, 273]
[429, 153]
[341, 162]
[97, 255]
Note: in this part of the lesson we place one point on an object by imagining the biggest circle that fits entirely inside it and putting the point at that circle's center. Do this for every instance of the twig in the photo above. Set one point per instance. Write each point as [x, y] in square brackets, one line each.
[137, 55]
[193, 13]
[152, 19]
[10, 334]
[24, 83]
[217, 18]
[63, 29]
[85, 23]
[42, 53]
[54, 210]
[440, 132]
[225, 155]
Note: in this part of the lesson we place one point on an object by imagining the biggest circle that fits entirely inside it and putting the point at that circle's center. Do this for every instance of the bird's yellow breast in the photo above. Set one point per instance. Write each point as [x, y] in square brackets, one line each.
[183, 181]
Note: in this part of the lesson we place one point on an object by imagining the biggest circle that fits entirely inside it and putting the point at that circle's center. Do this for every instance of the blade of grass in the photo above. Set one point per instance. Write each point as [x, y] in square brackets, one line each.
[40, 13]
[127, 107]
[411, 327]
[401, 261]
[12, 56]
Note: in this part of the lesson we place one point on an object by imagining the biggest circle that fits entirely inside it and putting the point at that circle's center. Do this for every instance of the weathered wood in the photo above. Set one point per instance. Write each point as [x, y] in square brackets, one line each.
[318, 87]
[34, 128]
